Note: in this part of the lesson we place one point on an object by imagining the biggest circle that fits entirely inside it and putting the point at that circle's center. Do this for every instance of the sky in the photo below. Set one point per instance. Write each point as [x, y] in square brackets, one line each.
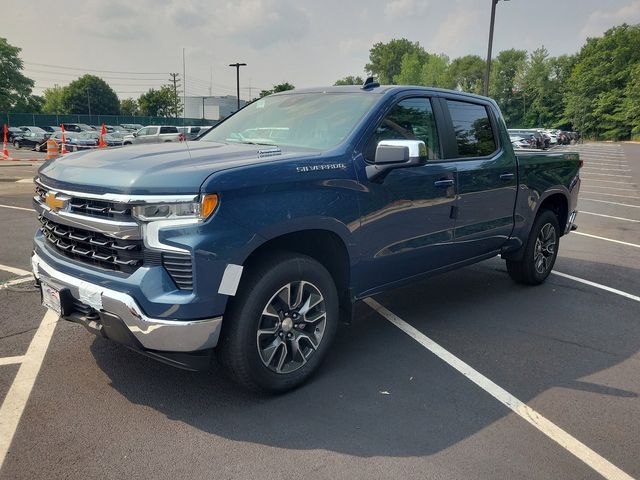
[134, 45]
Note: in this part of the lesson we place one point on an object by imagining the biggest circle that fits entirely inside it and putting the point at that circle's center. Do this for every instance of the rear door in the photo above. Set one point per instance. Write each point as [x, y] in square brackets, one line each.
[487, 177]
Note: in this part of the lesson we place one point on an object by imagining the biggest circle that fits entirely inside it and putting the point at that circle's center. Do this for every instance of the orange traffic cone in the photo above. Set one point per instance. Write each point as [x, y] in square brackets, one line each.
[5, 150]
[103, 132]
[63, 150]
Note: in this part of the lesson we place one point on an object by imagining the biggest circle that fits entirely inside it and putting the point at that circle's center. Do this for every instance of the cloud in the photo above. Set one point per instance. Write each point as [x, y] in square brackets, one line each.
[454, 32]
[405, 8]
[602, 20]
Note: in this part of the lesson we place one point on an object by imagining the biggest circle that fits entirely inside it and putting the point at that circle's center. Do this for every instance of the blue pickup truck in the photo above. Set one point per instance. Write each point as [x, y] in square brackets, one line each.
[252, 243]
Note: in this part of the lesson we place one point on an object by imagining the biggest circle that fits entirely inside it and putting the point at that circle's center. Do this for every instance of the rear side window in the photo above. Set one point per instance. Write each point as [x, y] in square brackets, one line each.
[168, 130]
[474, 133]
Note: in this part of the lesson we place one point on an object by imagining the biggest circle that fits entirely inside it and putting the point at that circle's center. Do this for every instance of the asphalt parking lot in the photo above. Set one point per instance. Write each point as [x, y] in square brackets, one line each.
[466, 375]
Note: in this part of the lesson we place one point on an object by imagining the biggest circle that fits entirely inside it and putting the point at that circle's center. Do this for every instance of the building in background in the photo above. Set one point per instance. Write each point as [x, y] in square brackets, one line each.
[211, 108]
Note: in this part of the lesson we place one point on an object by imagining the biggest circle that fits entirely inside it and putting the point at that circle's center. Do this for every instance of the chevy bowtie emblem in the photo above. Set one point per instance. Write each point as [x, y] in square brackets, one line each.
[55, 202]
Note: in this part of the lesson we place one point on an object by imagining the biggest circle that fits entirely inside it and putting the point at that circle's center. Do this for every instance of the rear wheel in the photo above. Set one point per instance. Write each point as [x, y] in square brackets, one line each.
[279, 326]
[540, 252]
[16, 144]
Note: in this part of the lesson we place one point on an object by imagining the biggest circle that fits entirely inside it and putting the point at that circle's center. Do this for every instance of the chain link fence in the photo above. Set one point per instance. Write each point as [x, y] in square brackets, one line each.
[41, 120]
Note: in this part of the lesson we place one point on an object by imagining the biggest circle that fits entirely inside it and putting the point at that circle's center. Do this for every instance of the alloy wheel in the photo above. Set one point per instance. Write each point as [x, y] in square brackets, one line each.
[291, 327]
[545, 248]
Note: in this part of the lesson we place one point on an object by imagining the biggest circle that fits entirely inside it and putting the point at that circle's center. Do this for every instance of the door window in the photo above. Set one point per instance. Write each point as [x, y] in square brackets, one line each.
[472, 126]
[152, 130]
[410, 119]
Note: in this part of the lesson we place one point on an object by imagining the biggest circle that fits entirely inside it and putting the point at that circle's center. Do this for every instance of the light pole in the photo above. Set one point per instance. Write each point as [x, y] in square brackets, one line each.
[237, 66]
[488, 69]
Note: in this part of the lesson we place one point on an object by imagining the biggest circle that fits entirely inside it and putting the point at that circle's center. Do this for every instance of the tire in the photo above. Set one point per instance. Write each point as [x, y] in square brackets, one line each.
[540, 252]
[38, 147]
[259, 361]
[16, 145]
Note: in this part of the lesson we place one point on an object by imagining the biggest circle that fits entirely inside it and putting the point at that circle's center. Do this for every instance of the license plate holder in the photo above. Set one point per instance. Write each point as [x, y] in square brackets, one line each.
[51, 298]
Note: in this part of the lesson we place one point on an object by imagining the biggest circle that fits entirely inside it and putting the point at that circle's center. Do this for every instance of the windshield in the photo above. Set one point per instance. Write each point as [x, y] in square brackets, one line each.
[310, 120]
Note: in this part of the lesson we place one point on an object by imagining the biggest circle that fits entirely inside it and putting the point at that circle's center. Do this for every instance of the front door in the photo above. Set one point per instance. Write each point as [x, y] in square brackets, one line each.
[407, 225]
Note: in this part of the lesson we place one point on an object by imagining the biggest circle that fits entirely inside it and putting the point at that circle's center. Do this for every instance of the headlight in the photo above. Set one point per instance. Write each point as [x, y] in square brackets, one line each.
[176, 211]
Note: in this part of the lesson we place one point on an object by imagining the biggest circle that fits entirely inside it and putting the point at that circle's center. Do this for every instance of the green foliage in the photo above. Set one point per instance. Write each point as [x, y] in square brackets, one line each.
[53, 100]
[160, 103]
[598, 87]
[410, 70]
[90, 93]
[281, 87]
[467, 73]
[386, 58]
[128, 106]
[435, 72]
[15, 88]
[503, 86]
[350, 80]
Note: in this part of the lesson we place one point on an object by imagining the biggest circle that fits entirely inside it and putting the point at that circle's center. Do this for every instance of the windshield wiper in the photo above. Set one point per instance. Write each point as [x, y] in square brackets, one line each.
[258, 143]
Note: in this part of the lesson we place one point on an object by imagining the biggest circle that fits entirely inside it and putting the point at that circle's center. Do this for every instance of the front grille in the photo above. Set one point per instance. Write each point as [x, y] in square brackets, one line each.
[94, 248]
[93, 208]
[99, 208]
[179, 267]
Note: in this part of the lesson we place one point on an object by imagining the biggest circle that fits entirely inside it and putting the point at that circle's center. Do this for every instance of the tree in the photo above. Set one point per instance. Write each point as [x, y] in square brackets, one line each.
[435, 72]
[90, 94]
[410, 70]
[15, 88]
[350, 80]
[128, 106]
[281, 87]
[597, 86]
[467, 73]
[386, 58]
[53, 100]
[631, 104]
[159, 103]
[504, 88]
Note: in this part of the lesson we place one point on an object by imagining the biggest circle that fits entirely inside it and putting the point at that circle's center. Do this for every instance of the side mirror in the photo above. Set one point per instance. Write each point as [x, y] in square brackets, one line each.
[392, 154]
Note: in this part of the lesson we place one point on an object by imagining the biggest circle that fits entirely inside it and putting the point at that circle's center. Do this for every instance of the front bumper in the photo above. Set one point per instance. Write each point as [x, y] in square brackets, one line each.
[117, 316]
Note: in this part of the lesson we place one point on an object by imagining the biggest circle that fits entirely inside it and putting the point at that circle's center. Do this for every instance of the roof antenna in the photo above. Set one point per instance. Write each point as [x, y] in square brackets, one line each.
[369, 83]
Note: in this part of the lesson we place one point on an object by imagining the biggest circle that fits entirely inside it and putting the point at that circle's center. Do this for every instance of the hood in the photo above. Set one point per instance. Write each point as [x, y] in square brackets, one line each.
[167, 168]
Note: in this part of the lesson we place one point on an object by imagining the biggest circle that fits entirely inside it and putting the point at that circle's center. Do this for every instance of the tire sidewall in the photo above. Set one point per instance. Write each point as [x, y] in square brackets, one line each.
[545, 216]
[247, 311]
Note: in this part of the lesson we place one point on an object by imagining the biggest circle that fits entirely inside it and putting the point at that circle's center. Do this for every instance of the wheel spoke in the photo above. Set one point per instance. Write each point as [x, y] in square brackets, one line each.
[283, 357]
[315, 318]
[298, 294]
[269, 352]
[307, 338]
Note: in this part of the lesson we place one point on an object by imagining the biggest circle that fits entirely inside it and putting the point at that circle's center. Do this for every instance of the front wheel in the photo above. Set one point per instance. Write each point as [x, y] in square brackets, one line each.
[279, 326]
[540, 252]
[16, 145]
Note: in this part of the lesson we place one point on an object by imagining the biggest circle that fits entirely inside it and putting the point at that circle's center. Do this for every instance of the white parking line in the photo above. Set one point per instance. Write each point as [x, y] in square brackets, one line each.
[16, 281]
[551, 430]
[13, 207]
[582, 212]
[611, 194]
[611, 203]
[18, 394]
[17, 271]
[607, 181]
[11, 360]
[606, 164]
[608, 175]
[615, 188]
[608, 169]
[598, 285]
[607, 239]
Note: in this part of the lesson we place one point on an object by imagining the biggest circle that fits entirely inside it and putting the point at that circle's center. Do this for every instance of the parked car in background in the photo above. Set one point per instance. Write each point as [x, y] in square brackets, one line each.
[111, 139]
[520, 143]
[190, 133]
[154, 134]
[532, 137]
[33, 140]
[131, 127]
[75, 141]
[50, 128]
[77, 127]
[13, 132]
[34, 129]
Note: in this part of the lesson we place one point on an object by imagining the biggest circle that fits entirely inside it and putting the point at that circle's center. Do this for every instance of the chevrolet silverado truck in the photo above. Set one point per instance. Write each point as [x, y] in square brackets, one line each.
[251, 244]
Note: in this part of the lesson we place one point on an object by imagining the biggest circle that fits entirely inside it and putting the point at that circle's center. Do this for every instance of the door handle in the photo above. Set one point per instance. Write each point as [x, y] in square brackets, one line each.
[443, 183]
[507, 176]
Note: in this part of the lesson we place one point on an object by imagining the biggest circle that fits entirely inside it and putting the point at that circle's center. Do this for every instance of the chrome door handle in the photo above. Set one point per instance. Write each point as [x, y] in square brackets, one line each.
[507, 176]
[443, 183]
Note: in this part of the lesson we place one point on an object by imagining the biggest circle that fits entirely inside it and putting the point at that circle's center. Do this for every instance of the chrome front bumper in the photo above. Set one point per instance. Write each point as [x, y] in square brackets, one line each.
[151, 333]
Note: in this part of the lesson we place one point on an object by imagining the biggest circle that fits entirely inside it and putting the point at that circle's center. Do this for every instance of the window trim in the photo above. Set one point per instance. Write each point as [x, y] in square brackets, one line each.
[451, 151]
[436, 109]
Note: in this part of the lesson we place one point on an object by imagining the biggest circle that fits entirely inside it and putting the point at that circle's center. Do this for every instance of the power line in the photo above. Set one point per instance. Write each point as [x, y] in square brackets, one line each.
[90, 70]
[29, 72]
